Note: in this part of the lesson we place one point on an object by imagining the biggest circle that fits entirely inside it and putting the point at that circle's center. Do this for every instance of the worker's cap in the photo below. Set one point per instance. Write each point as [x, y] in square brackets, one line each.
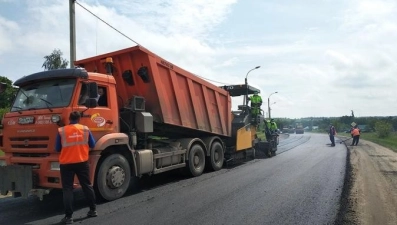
[272, 120]
[256, 92]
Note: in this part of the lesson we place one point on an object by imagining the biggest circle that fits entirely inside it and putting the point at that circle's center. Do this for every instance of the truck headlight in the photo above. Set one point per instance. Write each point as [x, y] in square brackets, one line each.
[55, 118]
[54, 165]
[3, 162]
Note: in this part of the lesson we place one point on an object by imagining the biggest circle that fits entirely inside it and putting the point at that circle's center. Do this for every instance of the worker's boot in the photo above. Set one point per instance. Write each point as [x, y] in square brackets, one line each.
[67, 220]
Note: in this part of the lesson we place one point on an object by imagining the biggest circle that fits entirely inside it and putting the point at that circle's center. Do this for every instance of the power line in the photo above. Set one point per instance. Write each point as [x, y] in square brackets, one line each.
[131, 38]
[107, 23]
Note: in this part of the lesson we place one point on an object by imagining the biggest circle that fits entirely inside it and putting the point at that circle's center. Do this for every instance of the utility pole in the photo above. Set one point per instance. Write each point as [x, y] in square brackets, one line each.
[268, 106]
[72, 32]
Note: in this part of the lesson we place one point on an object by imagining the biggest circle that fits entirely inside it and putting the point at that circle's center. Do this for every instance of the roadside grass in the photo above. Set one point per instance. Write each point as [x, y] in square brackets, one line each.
[389, 142]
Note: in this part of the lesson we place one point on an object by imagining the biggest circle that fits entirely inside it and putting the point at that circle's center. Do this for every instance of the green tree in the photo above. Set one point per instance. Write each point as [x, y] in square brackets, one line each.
[394, 123]
[55, 61]
[346, 121]
[7, 97]
[2, 112]
[383, 129]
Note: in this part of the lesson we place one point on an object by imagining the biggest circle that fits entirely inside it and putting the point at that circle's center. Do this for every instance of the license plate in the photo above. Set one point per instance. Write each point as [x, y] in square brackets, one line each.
[26, 120]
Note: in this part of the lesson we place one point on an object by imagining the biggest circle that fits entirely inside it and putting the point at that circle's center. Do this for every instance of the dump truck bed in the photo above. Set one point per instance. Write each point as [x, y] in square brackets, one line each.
[173, 96]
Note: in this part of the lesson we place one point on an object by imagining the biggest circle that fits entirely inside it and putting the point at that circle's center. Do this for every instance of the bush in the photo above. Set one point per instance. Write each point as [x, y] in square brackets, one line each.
[383, 129]
[2, 112]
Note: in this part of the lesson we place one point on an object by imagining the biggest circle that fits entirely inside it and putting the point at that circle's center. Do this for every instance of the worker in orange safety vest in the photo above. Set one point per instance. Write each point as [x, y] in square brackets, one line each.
[74, 142]
[356, 135]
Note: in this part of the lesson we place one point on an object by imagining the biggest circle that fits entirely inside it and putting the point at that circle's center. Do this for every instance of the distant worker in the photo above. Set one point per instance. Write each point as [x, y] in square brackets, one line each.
[74, 142]
[356, 135]
[256, 102]
[273, 126]
[268, 125]
[332, 133]
[351, 130]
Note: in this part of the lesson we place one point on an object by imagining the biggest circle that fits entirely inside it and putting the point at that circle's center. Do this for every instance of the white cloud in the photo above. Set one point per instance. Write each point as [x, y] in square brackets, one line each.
[317, 57]
[338, 59]
[7, 29]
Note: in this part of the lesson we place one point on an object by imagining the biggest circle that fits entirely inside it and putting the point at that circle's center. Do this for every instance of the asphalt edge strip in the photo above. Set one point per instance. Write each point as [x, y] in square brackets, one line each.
[346, 212]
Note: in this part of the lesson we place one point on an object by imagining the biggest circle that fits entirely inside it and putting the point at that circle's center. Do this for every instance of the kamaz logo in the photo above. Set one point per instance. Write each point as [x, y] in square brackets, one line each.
[26, 131]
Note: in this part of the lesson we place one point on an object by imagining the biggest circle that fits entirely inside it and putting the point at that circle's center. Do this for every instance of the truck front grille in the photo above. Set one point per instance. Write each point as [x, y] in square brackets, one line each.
[31, 155]
[29, 142]
[29, 146]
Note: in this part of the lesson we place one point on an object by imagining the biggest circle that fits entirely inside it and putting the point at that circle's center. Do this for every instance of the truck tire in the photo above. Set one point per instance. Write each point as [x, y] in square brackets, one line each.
[216, 156]
[196, 162]
[113, 177]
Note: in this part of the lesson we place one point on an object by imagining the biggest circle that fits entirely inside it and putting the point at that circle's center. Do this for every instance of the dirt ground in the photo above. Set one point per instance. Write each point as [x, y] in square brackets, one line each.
[371, 196]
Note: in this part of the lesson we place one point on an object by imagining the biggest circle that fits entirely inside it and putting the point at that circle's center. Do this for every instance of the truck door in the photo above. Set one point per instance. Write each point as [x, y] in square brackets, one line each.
[102, 119]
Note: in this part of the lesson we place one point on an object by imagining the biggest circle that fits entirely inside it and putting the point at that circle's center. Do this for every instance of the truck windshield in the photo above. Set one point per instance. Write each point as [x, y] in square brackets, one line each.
[45, 94]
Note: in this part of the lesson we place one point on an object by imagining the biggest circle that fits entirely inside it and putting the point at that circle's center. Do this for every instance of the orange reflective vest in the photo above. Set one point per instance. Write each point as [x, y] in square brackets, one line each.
[74, 140]
[355, 132]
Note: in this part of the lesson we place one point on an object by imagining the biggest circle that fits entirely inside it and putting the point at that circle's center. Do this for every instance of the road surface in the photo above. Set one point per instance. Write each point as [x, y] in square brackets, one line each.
[301, 185]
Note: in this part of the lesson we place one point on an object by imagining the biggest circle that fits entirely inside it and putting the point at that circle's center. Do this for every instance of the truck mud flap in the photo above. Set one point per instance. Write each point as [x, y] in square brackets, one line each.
[16, 178]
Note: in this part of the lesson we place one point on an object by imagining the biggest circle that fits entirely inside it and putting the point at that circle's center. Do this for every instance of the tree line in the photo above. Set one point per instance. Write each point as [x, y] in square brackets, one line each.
[382, 125]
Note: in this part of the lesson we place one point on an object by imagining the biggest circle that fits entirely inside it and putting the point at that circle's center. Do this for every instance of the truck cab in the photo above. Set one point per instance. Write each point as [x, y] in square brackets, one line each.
[42, 105]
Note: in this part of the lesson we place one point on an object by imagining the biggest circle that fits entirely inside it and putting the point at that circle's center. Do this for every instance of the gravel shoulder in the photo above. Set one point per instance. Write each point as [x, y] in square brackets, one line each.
[372, 184]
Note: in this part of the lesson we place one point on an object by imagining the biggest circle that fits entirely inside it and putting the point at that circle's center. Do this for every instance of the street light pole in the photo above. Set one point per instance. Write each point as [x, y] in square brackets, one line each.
[270, 108]
[246, 85]
[268, 103]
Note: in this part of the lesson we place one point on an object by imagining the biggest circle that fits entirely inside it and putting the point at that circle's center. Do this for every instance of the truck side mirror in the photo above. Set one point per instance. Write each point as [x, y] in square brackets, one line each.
[92, 90]
[91, 103]
[3, 87]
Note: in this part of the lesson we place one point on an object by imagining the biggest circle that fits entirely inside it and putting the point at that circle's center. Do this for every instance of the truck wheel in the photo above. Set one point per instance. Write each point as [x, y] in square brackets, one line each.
[113, 177]
[216, 156]
[196, 161]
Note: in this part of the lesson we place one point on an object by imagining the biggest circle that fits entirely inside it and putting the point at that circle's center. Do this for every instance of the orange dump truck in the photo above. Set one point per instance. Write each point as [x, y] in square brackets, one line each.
[153, 117]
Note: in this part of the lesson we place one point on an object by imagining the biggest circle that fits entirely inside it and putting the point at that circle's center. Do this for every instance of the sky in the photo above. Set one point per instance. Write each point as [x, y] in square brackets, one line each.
[324, 58]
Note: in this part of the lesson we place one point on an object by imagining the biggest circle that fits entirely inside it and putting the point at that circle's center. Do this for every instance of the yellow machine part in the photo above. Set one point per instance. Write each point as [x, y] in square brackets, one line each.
[245, 136]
